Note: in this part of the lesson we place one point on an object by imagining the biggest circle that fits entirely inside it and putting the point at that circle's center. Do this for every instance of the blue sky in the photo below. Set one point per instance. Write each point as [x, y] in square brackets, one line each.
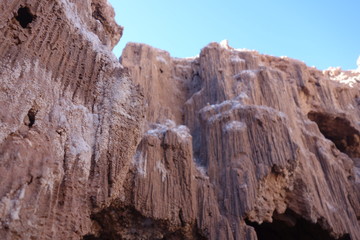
[320, 33]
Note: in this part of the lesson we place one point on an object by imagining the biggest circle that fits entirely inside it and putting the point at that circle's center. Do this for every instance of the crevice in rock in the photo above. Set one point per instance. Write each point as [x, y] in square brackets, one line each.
[339, 130]
[97, 13]
[195, 84]
[291, 226]
[25, 17]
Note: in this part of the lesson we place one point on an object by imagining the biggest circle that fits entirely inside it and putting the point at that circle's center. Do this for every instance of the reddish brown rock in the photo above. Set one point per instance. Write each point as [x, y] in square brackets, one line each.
[231, 144]
[69, 118]
[275, 142]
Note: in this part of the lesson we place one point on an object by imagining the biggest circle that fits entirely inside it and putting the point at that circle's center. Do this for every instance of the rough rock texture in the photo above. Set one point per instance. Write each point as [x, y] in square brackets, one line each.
[235, 138]
[227, 145]
[69, 117]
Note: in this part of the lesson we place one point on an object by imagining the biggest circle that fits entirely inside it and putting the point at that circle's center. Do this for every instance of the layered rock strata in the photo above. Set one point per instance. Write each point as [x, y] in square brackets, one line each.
[231, 144]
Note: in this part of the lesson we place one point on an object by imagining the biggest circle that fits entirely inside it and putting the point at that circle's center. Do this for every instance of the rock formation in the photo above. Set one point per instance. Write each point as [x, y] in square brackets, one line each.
[231, 144]
[70, 119]
[275, 142]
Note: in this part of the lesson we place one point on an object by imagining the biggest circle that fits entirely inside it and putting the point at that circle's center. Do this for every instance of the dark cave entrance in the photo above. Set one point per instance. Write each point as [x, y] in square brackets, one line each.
[25, 17]
[125, 222]
[291, 226]
[339, 131]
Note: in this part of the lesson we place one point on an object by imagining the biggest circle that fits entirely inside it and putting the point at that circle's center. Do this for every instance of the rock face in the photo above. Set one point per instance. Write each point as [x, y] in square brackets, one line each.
[231, 144]
[69, 119]
[273, 144]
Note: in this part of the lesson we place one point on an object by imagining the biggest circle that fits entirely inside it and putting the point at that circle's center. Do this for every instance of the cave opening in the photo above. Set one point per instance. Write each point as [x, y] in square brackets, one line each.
[339, 130]
[291, 226]
[125, 222]
[25, 17]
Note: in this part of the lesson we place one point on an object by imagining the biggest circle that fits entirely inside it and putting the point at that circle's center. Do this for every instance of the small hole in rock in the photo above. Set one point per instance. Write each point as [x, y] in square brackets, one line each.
[25, 17]
[31, 117]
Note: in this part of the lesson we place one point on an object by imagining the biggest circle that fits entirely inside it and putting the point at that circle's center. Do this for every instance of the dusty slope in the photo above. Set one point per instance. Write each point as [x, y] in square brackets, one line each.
[163, 148]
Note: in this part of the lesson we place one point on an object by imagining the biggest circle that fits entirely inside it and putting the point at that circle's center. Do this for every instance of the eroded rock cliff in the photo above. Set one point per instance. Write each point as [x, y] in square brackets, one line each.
[231, 144]
[69, 118]
[273, 144]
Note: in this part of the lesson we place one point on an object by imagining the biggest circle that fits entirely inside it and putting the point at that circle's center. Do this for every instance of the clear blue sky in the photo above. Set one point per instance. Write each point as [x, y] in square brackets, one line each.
[321, 33]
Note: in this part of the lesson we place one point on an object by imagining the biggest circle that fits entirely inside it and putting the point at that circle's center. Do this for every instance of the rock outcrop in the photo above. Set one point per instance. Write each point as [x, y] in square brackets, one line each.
[69, 120]
[231, 144]
[273, 143]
